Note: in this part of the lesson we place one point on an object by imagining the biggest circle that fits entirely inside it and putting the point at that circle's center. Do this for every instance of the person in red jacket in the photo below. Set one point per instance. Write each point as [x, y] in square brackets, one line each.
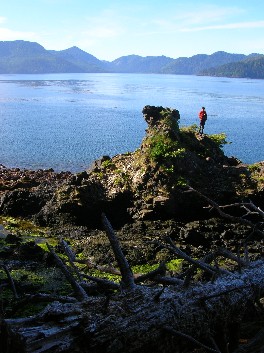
[203, 118]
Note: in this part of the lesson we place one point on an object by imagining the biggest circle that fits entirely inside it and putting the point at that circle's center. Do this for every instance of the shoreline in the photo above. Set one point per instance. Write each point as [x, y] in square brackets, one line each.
[13, 178]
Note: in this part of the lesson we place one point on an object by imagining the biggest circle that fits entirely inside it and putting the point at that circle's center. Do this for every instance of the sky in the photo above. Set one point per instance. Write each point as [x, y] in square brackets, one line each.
[109, 29]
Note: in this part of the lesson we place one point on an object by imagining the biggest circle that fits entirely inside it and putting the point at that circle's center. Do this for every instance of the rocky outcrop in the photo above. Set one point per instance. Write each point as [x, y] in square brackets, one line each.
[24, 192]
[162, 187]
[147, 184]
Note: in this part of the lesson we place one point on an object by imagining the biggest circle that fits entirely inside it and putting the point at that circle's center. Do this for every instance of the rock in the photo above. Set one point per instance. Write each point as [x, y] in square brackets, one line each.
[152, 114]
[22, 202]
[149, 183]
[164, 205]
[12, 239]
[30, 251]
[96, 165]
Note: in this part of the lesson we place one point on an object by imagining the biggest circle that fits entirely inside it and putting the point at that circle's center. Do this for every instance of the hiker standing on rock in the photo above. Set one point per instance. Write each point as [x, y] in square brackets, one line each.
[203, 118]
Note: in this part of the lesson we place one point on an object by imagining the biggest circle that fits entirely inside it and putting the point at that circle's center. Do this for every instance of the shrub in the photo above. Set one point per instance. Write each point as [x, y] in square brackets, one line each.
[219, 139]
[162, 148]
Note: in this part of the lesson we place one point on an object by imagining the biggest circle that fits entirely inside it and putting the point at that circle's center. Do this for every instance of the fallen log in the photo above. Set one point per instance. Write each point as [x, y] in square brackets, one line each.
[142, 318]
[136, 320]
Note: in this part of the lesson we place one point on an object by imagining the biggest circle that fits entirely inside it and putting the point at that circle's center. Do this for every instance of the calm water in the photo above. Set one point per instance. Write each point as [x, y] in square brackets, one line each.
[65, 121]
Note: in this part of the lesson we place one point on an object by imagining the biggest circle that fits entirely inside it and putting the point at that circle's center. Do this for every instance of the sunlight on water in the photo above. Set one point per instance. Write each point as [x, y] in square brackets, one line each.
[65, 121]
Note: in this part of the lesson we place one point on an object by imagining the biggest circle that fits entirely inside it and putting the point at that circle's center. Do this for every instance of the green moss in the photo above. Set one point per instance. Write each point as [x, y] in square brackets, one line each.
[169, 170]
[162, 148]
[6, 295]
[2, 275]
[169, 121]
[145, 268]
[104, 275]
[257, 174]
[22, 226]
[122, 179]
[181, 181]
[23, 275]
[254, 167]
[219, 139]
[29, 310]
[43, 280]
[260, 179]
[44, 246]
[175, 265]
[108, 164]
[100, 175]
[190, 129]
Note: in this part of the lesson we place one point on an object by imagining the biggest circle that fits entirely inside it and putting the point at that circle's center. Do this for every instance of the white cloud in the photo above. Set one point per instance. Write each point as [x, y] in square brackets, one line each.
[101, 32]
[214, 14]
[2, 19]
[8, 34]
[193, 20]
[236, 25]
[108, 22]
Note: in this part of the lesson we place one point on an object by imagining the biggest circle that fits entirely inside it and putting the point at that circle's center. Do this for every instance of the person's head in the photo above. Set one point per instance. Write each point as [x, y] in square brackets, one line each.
[203, 108]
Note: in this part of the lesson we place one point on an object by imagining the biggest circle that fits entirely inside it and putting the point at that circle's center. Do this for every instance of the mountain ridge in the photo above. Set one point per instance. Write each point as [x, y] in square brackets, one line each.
[24, 57]
[250, 67]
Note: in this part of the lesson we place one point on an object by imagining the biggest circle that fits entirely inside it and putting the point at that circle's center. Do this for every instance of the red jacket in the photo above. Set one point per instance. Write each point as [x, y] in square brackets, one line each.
[203, 115]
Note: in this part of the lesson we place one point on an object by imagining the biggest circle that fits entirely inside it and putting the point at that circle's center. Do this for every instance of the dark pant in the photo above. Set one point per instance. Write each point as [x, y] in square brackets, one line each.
[202, 122]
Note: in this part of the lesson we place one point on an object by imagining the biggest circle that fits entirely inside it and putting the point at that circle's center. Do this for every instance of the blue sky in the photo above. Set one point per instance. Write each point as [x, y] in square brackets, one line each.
[114, 28]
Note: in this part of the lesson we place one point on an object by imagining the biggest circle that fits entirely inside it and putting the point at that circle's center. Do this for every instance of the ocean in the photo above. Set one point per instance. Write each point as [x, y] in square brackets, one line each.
[66, 121]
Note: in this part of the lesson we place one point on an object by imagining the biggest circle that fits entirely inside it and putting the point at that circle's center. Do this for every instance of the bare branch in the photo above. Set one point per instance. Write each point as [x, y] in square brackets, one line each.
[190, 272]
[126, 272]
[223, 214]
[79, 291]
[249, 206]
[104, 283]
[229, 255]
[207, 268]
[105, 269]
[68, 251]
[160, 271]
[189, 338]
[11, 281]
[168, 280]
[246, 253]
[71, 256]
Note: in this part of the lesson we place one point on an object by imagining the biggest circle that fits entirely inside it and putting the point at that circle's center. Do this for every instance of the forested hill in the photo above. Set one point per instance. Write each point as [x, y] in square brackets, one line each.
[195, 64]
[19, 57]
[24, 57]
[252, 67]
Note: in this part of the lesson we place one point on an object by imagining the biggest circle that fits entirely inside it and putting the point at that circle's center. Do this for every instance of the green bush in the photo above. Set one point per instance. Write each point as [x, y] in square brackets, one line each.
[108, 163]
[162, 147]
[192, 128]
[219, 139]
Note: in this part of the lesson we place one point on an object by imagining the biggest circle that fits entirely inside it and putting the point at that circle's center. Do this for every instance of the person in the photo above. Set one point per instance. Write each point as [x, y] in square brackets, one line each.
[203, 118]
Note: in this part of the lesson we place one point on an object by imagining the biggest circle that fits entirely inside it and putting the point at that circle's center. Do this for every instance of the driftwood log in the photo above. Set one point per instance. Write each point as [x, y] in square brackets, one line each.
[150, 313]
[140, 319]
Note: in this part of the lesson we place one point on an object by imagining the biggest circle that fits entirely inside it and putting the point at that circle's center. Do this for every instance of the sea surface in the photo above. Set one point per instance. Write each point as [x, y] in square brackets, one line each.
[66, 121]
